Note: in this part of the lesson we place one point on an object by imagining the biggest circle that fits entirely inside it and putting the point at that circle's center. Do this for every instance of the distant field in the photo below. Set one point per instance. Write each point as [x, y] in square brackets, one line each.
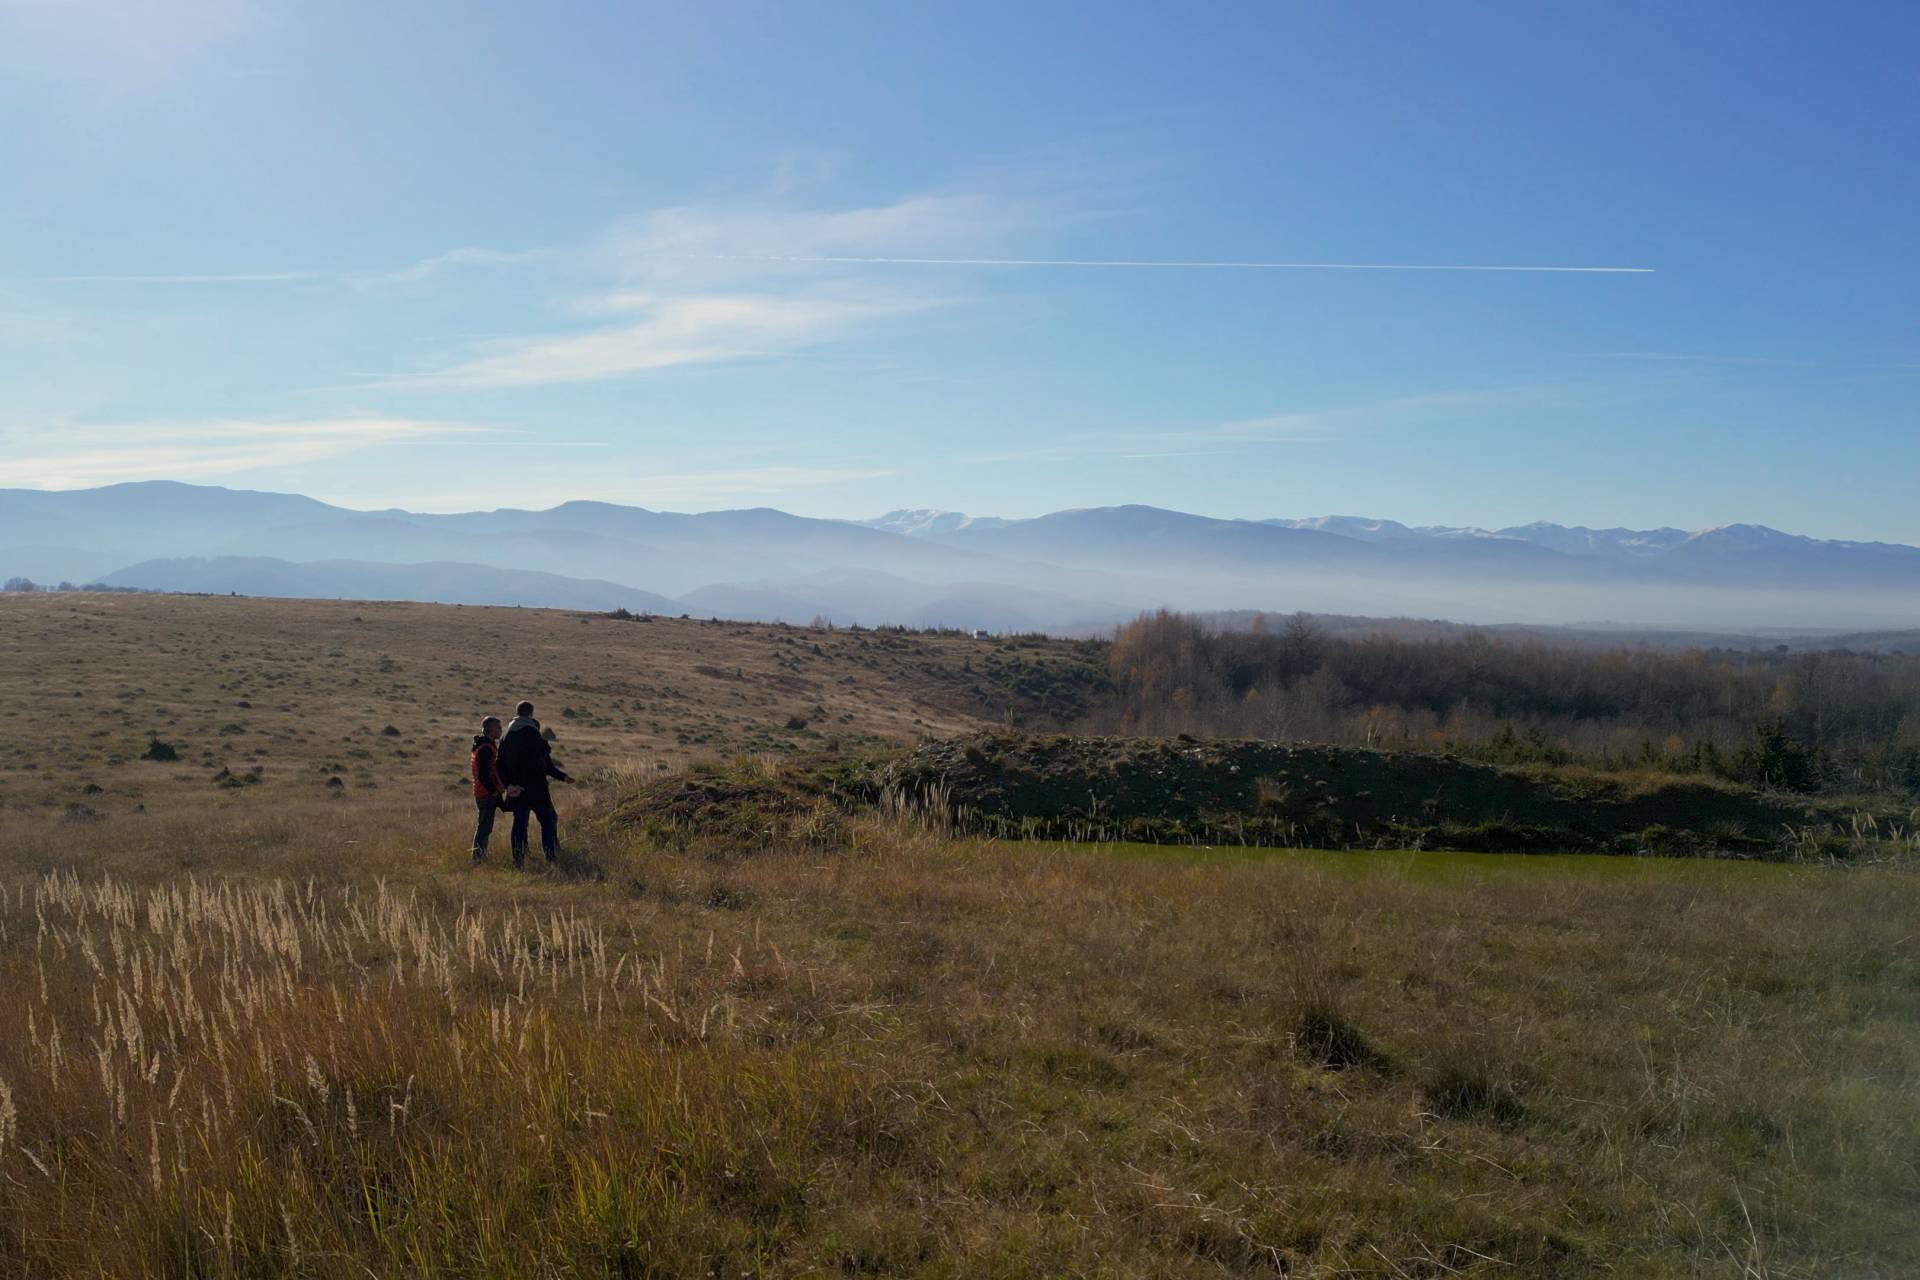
[283, 695]
[256, 1030]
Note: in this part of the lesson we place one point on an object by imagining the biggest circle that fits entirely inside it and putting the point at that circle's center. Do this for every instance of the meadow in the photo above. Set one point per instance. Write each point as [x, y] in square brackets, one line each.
[281, 1028]
[270, 701]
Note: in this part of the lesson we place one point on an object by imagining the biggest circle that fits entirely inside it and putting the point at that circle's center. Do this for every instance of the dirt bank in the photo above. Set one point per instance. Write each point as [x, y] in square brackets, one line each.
[1180, 789]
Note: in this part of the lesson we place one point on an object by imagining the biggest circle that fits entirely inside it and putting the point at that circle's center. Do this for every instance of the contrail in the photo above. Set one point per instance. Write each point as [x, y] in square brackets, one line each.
[243, 277]
[275, 277]
[1184, 265]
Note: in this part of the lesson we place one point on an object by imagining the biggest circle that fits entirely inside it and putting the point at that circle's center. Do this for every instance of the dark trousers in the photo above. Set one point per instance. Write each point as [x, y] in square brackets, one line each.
[541, 807]
[486, 806]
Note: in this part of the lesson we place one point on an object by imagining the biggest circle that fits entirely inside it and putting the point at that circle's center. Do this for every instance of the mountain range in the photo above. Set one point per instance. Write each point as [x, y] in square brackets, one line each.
[1075, 570]
[1766, 555]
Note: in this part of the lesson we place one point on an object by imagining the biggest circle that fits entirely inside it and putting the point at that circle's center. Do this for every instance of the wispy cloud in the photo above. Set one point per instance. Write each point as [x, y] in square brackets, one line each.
[715, 283]
[75, 457]
[718, 240]
[706, 284]
[427, 268]
[724, 282]
[670, 331]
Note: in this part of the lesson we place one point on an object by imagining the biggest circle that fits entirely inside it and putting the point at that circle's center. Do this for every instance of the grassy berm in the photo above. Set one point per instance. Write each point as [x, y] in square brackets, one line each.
[1184, 791]
[747, 1028]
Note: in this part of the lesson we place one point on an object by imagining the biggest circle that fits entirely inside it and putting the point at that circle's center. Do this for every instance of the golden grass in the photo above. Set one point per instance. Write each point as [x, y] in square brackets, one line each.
[328, 1049]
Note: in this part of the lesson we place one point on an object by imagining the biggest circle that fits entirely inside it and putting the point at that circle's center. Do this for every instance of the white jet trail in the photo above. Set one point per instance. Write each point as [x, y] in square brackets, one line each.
[237, 277]
[1219, 266]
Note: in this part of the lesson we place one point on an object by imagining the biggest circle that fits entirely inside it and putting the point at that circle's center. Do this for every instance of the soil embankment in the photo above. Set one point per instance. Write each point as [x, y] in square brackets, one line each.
[1184, 790]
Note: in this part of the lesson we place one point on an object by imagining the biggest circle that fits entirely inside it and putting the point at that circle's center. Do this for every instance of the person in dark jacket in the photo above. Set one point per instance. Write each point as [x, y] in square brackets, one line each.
[526, 762]
[489, 793]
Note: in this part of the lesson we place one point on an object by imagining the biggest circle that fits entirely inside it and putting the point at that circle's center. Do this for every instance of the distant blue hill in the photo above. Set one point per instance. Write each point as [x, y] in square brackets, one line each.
[1065, 570]
[443, 583]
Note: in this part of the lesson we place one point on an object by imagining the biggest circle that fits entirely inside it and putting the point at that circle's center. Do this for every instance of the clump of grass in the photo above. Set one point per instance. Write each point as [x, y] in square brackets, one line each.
[1324, 1037]
[1473, 1087]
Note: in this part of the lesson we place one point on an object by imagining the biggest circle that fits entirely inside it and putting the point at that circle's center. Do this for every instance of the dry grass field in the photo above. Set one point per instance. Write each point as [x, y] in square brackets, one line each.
[281, 1029]
[283, 695]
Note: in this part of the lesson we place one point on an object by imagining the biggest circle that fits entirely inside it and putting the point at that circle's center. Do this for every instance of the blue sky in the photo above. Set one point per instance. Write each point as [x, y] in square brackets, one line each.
[459, 255]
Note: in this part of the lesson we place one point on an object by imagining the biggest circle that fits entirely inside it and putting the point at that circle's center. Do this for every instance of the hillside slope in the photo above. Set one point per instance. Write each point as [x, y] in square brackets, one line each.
[295, 692]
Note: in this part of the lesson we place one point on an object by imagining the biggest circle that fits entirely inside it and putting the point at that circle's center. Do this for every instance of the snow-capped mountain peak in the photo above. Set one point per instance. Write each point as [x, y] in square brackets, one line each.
[1365, 528]
[928, 522]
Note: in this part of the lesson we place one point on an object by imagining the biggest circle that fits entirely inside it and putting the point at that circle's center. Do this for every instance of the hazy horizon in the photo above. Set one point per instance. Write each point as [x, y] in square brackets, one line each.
[1069, 572]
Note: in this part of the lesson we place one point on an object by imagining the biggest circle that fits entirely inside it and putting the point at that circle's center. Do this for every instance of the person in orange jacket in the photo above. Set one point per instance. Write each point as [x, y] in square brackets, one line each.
[489, 794]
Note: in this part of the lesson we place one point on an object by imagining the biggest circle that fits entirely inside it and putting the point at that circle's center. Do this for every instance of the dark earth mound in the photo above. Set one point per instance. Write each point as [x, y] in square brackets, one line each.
[735, 806]
[1188, 791]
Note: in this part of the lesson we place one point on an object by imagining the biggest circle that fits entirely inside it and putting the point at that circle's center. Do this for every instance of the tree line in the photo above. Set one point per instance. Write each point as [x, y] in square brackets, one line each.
[1825, 719]
[25, 585]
